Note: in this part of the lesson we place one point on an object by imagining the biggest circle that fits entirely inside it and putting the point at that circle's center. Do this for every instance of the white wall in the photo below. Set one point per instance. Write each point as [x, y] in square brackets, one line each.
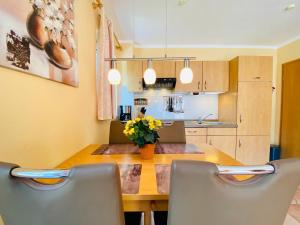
[194, 105]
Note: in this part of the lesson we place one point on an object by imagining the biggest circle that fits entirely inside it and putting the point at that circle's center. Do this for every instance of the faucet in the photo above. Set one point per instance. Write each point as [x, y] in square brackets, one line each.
[201, 119]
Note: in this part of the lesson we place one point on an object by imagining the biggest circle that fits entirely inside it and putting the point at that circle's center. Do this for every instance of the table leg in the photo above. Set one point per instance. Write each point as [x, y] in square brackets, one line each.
[147, 217]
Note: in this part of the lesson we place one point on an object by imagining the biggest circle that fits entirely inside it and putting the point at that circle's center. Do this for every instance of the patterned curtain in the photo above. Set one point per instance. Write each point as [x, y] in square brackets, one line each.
[105, 49]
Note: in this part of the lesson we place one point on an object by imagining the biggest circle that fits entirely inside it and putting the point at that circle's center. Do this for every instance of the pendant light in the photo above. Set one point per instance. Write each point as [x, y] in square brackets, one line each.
[186, 74]
[149, 74]
[114, 76]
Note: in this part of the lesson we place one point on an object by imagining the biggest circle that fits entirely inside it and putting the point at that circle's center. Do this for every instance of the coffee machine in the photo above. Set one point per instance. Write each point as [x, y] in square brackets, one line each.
[125, 112]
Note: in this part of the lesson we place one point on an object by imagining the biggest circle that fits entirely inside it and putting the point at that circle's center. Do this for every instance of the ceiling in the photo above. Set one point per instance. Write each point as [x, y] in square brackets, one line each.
[263, 23]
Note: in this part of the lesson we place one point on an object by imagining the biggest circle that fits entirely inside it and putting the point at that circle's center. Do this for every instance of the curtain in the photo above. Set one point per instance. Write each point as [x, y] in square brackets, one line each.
[106, 103]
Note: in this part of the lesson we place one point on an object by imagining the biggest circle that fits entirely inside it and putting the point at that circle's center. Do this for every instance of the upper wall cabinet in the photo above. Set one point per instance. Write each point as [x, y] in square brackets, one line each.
[255, 68]
[135, 76]
[163, 69]
[196, 85]
[209, 76]
[215, 76]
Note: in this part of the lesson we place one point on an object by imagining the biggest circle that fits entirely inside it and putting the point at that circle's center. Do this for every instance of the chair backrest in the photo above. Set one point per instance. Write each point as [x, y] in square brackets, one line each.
[116, 135]
[199, 196]
[90, 195]
[174, 133]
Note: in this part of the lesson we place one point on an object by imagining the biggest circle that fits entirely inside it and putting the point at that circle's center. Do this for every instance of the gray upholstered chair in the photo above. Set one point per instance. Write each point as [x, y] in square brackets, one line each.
[174, 133]
[89, 195]
[199, 196]
[116, 135]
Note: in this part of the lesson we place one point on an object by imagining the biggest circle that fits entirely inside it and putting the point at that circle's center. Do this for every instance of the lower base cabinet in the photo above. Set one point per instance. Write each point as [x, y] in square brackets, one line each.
[253, 150]
[249, 150]
[196, 140]
[225, 144]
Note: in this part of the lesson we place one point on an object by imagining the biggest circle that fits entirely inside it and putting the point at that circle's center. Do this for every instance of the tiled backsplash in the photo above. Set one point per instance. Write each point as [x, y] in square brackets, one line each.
[194, 105]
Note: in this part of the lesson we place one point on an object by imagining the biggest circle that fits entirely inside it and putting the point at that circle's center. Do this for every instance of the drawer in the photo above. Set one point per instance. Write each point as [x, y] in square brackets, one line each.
[195, 131]
[221, 131]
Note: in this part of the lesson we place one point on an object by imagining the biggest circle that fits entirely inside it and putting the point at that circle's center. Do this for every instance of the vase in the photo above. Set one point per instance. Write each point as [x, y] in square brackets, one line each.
[147, 152]
[58, 55]
[36, 29]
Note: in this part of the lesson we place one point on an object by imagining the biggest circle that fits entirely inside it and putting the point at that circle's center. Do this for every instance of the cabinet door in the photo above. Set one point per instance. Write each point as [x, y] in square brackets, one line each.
[196, 85]
[254, 108]
[255, 68]
[225, 144]
[135, 76]
[195, 131]
[253, 150]
[196, 140]
[163, 69]
[221, 131]
[215, 76]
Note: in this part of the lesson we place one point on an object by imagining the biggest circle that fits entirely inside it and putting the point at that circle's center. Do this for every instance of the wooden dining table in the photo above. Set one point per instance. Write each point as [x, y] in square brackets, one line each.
[147, 198]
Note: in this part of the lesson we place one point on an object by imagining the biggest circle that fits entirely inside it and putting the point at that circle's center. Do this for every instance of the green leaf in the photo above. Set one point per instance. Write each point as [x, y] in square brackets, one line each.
[149, 138]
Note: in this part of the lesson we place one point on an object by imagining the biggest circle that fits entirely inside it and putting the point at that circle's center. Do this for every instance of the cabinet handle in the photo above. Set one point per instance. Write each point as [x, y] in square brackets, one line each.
[192, 132]
[257, 78]
[198, 85]
[204, 85]
[240, 143]
[241, 118]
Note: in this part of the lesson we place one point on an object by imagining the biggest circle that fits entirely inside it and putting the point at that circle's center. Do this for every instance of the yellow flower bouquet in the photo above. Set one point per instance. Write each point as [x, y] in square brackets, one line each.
[142, 131]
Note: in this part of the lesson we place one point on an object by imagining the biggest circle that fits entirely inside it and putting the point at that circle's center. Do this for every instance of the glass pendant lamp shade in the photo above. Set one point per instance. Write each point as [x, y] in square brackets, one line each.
[186, 74]
[114, 76]
[149, 74]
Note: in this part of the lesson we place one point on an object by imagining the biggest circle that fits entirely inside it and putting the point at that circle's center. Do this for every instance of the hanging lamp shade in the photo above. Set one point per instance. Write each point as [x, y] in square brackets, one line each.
[186, 74]
[149, 74]
[114, 76]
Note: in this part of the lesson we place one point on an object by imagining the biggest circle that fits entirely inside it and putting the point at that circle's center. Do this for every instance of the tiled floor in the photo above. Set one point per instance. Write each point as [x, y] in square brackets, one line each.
[294, 210]
[290, 221]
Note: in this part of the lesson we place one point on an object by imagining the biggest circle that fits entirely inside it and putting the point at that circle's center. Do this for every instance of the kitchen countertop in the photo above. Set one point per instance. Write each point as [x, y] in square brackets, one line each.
[205, 124]
[210, 124]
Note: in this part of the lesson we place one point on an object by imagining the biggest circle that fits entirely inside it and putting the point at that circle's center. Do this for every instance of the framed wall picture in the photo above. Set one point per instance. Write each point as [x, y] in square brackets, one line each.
[38, 37]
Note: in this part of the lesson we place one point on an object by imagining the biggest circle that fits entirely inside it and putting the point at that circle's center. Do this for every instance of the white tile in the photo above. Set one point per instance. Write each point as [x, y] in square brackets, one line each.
[290, 221]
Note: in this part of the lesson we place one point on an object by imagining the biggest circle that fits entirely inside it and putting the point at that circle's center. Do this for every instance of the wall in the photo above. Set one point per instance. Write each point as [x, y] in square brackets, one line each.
[43, 122]
[220, 54]
[285, 54]
[194, 106]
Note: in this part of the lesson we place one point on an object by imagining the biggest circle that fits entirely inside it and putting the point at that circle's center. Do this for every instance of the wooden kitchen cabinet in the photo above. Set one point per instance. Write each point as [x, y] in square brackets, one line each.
[135, 76]
[215, 76]
[195, 131]
[255, 68]
[225, 144]
[254, 108]
[196, 140]
[249, 104]
[196, 136]
[163, 69]
[196, 85]
[221, 131]
[253, 150]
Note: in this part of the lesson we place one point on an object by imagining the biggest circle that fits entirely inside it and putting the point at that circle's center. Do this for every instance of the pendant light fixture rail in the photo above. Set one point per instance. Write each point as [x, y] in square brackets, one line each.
[153, 59]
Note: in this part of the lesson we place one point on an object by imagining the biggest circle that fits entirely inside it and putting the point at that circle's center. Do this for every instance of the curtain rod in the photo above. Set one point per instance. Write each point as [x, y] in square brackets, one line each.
[98, 4]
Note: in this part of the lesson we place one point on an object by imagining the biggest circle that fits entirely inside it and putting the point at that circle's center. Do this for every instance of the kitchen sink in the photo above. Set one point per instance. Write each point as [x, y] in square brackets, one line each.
[208, 123]
[211, 123]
